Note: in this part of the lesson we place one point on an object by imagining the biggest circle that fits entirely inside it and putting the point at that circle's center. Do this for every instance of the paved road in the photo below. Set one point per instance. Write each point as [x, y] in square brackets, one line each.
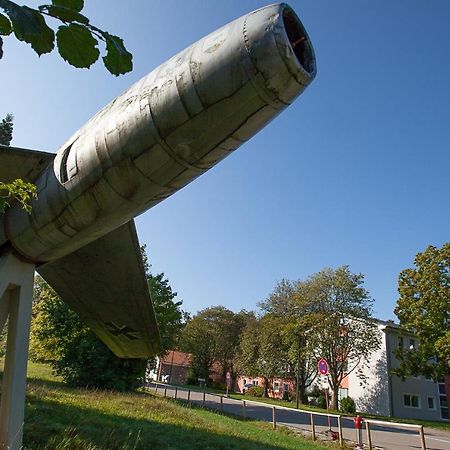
[383, 437]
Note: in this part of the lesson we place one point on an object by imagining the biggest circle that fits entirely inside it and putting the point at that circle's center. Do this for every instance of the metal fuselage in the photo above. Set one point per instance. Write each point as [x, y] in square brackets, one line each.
[164, 131]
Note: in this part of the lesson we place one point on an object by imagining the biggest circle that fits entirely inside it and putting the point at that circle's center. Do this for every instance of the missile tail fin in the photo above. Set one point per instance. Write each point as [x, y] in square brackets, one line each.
[105, 284]
[22, 163]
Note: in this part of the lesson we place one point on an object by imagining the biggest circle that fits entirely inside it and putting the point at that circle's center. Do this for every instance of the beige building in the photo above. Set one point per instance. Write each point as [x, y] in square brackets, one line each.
[387, 394]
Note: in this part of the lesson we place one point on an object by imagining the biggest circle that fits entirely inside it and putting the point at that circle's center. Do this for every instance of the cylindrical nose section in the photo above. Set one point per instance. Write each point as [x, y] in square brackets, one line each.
[280, 50]
[166, 130]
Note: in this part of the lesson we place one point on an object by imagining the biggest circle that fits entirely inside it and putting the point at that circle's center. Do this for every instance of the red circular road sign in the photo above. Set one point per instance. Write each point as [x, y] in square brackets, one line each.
[322, 366]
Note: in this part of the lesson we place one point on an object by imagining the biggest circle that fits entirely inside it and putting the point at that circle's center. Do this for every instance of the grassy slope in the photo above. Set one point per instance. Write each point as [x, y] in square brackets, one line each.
[60, 417]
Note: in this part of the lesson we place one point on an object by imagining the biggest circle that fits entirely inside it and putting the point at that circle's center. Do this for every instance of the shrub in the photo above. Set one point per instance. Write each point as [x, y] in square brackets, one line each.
[347, 405]
[219, 385]
[255, 391]
[288, 396]
[321, 402]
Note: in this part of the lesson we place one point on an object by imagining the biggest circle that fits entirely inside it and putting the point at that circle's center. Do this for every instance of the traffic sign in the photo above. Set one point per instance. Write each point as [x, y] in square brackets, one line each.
[322, 366]
[324, 382]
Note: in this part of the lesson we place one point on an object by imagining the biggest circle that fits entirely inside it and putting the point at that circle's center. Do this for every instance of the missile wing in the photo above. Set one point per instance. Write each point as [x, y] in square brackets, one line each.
[22, 163]
[111, 295]
[162, 133]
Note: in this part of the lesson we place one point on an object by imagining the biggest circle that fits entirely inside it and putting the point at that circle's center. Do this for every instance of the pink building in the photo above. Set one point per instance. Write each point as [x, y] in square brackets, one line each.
[276, 387]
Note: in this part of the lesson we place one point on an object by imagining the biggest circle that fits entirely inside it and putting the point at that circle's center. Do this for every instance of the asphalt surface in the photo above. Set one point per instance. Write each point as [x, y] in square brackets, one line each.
[382, 437]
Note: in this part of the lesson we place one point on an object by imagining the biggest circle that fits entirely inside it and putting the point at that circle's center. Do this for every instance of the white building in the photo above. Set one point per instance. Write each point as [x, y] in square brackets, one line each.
[388, 395]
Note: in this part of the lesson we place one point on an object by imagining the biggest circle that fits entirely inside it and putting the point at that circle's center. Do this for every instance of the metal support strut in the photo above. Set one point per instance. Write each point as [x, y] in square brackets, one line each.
[16, 295]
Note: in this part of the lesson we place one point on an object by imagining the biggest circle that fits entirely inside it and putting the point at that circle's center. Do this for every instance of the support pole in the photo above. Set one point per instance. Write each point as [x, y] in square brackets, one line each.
[422, 438]
[341, 438]
[313, 428]
[369, 439]
[16, 295]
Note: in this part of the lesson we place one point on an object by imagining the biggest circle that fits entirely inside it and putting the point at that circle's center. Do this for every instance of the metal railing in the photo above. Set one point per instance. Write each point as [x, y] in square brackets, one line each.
[313, 427]
[407, 426]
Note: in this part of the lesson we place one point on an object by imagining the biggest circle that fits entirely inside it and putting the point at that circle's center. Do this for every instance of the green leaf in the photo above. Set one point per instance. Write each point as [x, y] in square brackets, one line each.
[65, 14]
[29, 26]
[117, 60]
[75, 5]
[5, 25]
[76, 45]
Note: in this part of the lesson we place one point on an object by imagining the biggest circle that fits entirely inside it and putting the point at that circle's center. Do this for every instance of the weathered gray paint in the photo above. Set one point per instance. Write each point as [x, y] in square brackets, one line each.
[166, 130]
[112, 295]
[162, 133]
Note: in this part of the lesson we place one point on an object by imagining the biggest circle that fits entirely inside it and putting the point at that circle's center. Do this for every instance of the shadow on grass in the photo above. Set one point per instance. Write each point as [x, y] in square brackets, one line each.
[48, 383]
[51, 424]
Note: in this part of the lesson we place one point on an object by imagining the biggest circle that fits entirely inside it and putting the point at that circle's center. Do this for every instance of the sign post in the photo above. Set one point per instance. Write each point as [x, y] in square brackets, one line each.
[228, 376]
[323, 368]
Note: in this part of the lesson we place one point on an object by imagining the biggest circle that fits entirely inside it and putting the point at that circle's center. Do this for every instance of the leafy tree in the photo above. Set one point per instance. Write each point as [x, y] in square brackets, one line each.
[424, 308]
[261, 351]
[6, 129]
[169, 315]
[19, 190]
[60, 338]
[76, 39]
[295, 314]
[342, 317]
[213, 336]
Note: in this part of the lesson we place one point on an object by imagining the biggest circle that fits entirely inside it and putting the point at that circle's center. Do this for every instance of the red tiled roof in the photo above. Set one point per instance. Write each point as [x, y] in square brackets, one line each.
[177, 358]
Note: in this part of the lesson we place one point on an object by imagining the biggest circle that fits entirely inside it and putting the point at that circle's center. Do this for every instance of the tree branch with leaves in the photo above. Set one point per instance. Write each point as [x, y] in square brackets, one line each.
[76, 38]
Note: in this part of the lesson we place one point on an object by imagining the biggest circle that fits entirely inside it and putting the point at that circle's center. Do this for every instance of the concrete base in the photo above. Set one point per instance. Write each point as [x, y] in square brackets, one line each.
[16, 296]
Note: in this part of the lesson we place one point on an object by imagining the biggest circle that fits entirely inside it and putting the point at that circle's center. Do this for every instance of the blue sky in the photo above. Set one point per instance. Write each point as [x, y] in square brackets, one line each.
[355, 172]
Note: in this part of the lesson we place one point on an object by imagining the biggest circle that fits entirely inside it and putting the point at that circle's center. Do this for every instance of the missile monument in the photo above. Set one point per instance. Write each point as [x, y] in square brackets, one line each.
[162, 133]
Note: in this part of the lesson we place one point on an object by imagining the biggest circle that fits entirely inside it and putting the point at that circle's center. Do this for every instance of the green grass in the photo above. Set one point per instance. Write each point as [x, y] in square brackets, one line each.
[426, 423]
[278, 402]
[61, 417]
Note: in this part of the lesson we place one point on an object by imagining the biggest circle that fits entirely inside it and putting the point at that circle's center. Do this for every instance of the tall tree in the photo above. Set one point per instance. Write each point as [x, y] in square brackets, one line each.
[169, 315]
[213, 336]
[262, 353]
[60, 338]
[343, 320]
[424, 308]
[76, 39]
[294, 311]
[6, 129]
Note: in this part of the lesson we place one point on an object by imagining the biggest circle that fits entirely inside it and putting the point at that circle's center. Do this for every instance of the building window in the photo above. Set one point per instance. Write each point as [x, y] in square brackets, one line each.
[255, 382]
[411, 401]
[431, 403]
[276, 387]
[285, 387]
[400, 342]
[412, 344]
[443, 404]
[245, 381]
